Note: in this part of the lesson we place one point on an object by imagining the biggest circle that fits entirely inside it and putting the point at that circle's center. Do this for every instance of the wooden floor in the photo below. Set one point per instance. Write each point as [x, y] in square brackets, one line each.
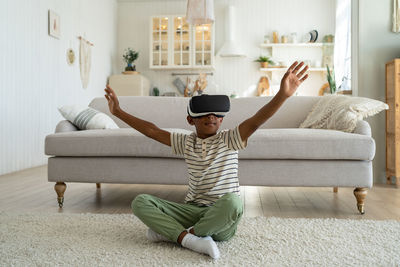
[29, 190]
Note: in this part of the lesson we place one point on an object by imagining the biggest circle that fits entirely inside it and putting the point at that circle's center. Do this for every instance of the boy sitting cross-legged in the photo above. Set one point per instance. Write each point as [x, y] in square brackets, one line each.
[212, 207]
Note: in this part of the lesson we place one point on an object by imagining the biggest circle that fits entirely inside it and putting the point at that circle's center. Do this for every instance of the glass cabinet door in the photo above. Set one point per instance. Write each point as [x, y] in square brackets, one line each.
[203, 45]
[160, 41]
[181, 42]
[176, 44]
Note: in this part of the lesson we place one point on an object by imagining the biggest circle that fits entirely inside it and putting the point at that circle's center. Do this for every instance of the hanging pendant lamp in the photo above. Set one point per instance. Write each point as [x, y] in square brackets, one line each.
[200, 12]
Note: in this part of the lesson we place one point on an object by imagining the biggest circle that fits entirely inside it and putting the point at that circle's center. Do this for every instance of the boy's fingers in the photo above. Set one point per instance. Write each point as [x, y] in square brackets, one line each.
[304, 78]
[109, 92]
[292, 66]
[298, 67]
[109, 88]
[302, 71]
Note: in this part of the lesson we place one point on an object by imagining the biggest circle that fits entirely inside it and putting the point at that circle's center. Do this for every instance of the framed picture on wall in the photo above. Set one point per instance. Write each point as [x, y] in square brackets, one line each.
[54, 24]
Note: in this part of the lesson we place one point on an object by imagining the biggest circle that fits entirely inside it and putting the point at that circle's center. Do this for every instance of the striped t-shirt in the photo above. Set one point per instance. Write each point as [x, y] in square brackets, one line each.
[212, 164]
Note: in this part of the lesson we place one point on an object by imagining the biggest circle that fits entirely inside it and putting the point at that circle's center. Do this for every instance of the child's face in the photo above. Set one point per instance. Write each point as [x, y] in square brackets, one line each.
[206, 126]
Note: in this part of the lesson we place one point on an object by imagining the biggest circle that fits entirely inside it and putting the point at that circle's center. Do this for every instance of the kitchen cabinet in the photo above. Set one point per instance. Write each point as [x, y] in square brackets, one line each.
[174, 44]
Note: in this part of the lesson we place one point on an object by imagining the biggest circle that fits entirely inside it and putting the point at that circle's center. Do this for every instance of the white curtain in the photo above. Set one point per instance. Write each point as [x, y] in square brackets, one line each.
[396, 16]
[342, 52]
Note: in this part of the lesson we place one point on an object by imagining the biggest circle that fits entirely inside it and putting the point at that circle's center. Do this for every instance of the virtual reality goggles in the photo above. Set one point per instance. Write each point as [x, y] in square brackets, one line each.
[203, 105]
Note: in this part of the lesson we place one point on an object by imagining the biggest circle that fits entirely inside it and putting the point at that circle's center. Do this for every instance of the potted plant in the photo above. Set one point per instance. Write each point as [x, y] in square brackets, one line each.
[130, 56]
[331, 80]
[264, 61]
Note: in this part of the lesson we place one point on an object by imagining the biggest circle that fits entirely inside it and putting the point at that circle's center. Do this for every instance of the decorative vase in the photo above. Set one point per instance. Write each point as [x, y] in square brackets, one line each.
[130, 67]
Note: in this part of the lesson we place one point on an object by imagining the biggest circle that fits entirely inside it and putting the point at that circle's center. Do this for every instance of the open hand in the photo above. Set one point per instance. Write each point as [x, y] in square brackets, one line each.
[113, 103]
[292, 79]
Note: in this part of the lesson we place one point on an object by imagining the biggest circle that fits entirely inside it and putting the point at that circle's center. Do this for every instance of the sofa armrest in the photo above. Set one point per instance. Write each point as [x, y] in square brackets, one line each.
[362, 127]
[65, 126]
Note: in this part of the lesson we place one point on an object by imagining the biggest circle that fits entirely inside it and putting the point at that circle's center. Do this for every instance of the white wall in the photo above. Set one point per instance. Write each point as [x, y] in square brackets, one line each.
[377, 45]
[34, 76]
[254, 19]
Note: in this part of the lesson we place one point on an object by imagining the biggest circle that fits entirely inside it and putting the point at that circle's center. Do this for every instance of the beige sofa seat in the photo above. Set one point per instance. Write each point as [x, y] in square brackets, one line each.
[311, 144]
[124, 142]
[263, 144]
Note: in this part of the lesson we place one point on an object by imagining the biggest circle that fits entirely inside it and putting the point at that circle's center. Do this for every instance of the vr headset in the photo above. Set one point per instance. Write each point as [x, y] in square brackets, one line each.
[203, 105]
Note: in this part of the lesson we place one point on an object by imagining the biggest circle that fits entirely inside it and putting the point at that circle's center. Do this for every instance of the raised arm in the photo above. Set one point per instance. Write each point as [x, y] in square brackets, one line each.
[289, 84]
[145, 127]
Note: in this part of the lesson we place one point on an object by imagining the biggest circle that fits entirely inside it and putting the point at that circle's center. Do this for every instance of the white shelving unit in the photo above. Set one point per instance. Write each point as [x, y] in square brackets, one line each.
[296, 44]
[315, 55]
[174, 44]
[285, 68]
[290, 52]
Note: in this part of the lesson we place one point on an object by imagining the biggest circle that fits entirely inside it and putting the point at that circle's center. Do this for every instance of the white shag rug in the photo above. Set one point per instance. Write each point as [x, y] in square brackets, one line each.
[119, 240]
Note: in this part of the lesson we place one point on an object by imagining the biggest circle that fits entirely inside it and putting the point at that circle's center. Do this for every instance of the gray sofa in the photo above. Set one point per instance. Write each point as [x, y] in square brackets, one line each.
[278, 154]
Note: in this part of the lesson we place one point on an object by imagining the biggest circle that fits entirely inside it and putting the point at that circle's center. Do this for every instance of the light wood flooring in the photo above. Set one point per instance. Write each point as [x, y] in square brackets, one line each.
[29, 191]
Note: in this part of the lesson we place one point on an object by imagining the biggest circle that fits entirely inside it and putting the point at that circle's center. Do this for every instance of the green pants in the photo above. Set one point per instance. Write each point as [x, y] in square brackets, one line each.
[170, 219]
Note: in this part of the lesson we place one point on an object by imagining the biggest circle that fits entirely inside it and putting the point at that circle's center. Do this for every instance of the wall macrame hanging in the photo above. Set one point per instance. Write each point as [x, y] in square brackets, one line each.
[85, 58]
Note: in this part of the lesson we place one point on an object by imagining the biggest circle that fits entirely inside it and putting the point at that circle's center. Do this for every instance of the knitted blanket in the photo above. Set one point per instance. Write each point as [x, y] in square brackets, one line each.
[341, 112]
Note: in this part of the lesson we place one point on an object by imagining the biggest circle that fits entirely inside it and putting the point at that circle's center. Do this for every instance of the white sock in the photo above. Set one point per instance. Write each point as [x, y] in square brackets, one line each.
[155, 237]
[201, 244]
[205, 237]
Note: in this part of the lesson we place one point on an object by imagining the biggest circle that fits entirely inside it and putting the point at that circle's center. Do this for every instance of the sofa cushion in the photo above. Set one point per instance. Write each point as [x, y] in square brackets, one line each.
[107, 142]
[263, 144]
[86, 118]
[308, 144]
[340, 112]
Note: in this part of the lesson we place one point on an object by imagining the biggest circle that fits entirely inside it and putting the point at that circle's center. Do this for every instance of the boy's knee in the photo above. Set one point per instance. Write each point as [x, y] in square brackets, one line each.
[233, 203]
[224, 236]
[138, 202]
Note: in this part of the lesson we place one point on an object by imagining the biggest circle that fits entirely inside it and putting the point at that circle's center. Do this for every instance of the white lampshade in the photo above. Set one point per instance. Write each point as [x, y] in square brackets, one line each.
[200, 12]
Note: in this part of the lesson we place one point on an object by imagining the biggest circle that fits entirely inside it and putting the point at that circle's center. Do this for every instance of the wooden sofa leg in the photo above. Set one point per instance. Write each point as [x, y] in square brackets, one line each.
[360, 194]
[335, 189]
[98, 185]
[60, 188]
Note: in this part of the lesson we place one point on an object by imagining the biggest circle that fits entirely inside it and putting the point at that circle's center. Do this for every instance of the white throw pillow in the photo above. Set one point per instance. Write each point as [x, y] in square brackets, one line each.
[86, 118]
[341, 112]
